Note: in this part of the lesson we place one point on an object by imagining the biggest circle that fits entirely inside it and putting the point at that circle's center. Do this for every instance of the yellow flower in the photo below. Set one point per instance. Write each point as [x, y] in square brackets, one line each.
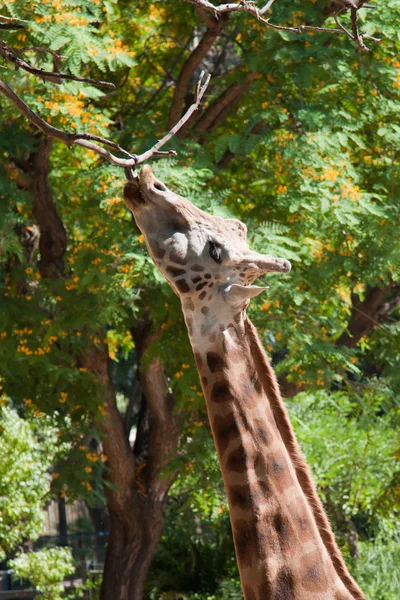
[92, 456]
[63, 397]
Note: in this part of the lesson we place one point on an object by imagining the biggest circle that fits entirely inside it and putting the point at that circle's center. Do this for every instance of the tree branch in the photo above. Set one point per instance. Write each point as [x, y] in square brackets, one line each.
[364, 316]
[53, 236]
[84, 139]
[249, 7]
[53, 76]
[216, 113]
[10, 26]
[193, 61]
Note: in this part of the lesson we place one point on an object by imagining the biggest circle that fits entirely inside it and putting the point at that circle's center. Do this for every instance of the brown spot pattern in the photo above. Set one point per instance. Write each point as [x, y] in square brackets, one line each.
[182, 286]
[189, 325]
[205, 310]
[245, 542]
[312, 576]
[284, 586]
[237, 460]
[261, 432]
[188, 304]
[242, 496]
[302, 525]
[202, 295]
[225, 430]
[215, 362]
[174, 271]
[279, 472]
[265, 591]
[264, 487]
[220, 392]
[284, 532]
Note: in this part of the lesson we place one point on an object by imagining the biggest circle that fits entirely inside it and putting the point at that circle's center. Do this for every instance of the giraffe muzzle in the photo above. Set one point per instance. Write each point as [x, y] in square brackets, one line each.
[132, 194]
[268, 264]
[275, 265]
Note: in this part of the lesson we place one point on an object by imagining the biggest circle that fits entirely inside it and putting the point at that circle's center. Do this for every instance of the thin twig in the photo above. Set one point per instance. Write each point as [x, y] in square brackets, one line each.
[342, 27]
[200, 90]
[266, 7]
[44, 50]
[86, 140]
[9, 54]
[12, 19]
[367, 316]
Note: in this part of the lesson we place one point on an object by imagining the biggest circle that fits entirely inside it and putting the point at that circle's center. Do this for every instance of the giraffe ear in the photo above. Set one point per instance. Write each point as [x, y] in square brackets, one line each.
[237, 295]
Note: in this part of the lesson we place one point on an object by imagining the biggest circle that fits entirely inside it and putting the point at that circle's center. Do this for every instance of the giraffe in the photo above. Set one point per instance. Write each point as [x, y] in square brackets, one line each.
[284, 544]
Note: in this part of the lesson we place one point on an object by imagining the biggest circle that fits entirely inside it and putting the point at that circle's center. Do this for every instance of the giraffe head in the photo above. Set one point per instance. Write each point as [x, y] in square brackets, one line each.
[205, 258]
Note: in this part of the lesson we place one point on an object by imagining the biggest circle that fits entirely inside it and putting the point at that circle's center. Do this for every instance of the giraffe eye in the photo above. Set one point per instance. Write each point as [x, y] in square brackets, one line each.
[215, 252]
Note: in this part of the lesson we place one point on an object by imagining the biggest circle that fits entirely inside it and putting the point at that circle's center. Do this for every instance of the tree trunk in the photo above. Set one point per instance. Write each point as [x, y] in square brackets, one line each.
[62, 522]
[133, 541]
[137, 490]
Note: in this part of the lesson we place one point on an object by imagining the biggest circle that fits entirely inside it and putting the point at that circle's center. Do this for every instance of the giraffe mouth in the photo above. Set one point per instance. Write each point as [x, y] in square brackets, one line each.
[133, 194]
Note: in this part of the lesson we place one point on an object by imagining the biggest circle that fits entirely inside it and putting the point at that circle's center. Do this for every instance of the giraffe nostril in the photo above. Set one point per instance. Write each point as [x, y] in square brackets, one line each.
[159, 186]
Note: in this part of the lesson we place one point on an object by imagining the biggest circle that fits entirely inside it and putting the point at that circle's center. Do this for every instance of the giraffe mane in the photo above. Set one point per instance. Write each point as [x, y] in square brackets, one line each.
[270, 384]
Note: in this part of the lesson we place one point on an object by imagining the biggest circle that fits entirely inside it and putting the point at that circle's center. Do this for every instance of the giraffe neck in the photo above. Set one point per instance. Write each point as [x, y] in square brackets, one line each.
[280, 551]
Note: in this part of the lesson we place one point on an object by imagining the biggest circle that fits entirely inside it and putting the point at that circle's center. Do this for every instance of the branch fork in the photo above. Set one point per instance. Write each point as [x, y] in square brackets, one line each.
[88, 140]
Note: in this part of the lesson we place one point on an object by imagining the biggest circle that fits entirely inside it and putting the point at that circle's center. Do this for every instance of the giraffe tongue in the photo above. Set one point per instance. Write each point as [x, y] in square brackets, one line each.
[237, 294]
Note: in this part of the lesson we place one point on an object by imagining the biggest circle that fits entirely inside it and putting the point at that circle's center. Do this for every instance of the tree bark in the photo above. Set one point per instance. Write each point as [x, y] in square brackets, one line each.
[135, 533]
[53, 237]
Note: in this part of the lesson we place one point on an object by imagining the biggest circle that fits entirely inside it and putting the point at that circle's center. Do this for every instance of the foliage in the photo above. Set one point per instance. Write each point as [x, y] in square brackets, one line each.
[378, 569]
[46, 569]
[27, 448]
